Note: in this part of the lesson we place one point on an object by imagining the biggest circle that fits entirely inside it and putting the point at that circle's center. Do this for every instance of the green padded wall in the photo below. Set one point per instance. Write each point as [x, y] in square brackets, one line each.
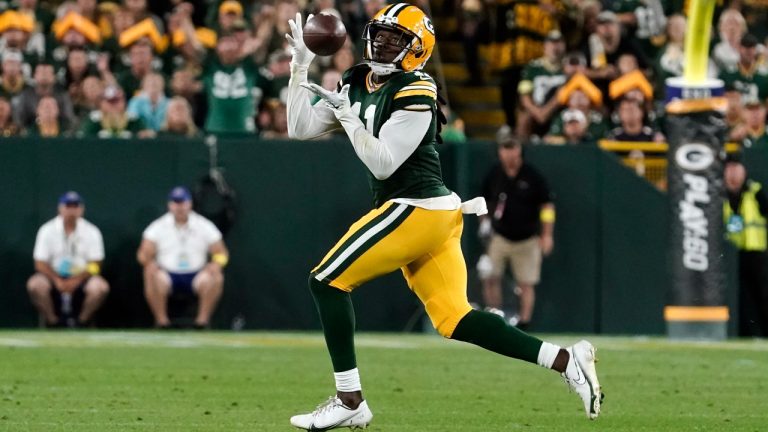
[295, 199]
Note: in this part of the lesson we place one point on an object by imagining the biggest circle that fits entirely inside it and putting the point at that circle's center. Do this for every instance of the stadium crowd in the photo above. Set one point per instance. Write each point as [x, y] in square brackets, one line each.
[135, 69]
[571, 71]
[576, 71]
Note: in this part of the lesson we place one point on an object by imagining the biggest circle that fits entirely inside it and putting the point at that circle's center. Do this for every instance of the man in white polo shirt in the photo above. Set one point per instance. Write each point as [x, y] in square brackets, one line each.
[68, 254]
[174, 252]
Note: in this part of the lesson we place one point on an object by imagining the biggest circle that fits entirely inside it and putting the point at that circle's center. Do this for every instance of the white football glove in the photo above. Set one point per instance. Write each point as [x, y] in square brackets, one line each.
[302, 56]
[337, 101]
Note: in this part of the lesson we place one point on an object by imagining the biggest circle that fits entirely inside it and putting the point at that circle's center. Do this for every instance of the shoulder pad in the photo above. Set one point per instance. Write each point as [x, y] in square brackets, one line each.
[418, 75]
[416, 83]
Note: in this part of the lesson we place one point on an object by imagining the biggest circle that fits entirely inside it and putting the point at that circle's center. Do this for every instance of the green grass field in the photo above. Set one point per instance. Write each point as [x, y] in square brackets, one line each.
[126, 381]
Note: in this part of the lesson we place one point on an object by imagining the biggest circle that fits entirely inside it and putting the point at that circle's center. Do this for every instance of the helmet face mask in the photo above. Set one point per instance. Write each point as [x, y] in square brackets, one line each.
[387, 43]
[400, 37]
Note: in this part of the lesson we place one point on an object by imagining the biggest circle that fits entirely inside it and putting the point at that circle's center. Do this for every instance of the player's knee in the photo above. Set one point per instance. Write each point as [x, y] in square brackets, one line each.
[445, 314]
[446, 324]
[323, 289]
[97, 286]
[38, 284]
[444, 329]
[214, 273]
[217, 278]
[203, 279]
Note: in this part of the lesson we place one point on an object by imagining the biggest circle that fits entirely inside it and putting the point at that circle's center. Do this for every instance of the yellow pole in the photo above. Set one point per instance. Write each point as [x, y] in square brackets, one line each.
[697, 40]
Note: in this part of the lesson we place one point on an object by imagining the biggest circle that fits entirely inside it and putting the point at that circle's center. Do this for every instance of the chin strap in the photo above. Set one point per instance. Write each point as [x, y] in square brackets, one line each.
[382, 68]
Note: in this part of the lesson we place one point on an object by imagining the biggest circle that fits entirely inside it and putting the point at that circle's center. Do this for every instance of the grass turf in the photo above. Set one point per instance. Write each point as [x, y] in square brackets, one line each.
[131, 381]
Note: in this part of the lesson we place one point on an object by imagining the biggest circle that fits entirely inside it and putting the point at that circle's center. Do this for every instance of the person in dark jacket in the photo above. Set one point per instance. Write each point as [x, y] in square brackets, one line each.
[518, 227]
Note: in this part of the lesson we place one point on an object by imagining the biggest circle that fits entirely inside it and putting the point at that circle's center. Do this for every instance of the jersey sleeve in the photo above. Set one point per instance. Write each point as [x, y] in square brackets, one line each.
[416, 95]
[152, 232]
[42, 251]
[525, 86]
[96, 246]
[212, 233]
[305, 119]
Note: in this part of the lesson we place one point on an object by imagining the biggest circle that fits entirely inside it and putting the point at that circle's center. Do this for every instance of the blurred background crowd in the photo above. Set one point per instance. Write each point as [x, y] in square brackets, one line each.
[564, 71]
[137, 69]
[578, 71]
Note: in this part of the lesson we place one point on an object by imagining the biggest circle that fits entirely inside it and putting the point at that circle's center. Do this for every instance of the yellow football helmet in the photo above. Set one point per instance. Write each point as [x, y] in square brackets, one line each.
[416, 40]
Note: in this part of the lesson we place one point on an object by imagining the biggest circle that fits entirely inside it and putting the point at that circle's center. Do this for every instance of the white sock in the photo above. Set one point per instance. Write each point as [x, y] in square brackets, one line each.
[348, 381]
[547, 354]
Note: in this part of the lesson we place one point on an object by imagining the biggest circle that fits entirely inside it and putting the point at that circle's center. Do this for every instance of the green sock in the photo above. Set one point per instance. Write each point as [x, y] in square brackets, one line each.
[489, 331]
[338, 319]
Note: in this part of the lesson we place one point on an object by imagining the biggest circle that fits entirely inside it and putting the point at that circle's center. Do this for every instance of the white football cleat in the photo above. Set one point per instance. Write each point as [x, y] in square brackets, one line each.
[581, 376]
[334, 414]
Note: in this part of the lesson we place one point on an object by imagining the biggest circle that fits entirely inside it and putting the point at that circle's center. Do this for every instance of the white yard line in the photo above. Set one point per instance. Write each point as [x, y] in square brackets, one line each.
[35, 339]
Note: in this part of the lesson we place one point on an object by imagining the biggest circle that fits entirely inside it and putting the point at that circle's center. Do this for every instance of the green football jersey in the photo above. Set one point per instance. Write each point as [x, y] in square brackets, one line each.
[648, 29]
[751, 84]
[420, 176]
[756, 142]
[541, 79]
[233, 93]
[92, 127]
[596, 130]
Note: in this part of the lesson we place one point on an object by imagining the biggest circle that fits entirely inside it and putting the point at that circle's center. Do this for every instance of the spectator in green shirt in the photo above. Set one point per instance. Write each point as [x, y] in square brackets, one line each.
[112, 121]
[140, 55]
[750, 75]
[751, 132]
[233, 88]
[574, 129]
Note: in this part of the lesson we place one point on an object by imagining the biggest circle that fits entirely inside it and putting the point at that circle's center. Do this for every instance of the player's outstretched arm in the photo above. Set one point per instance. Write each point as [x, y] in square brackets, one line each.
[398, 137]
[304, 120]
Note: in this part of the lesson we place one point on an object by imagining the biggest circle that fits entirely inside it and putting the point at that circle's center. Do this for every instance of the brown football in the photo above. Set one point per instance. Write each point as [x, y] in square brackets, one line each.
[324, 34]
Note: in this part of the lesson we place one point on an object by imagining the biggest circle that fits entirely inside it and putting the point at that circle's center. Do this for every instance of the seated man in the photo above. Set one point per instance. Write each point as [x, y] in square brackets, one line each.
[68, 254]
[174, 253]
[575, 129]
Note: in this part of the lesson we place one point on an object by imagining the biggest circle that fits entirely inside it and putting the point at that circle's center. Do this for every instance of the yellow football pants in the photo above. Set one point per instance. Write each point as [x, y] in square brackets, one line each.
[424, 244]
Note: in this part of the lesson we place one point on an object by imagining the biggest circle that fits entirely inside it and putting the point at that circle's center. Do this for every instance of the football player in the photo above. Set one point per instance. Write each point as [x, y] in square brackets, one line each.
[388, 108]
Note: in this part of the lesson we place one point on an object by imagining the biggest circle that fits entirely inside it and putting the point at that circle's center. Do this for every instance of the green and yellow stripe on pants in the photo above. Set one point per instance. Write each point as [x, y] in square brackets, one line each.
[424, 244]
